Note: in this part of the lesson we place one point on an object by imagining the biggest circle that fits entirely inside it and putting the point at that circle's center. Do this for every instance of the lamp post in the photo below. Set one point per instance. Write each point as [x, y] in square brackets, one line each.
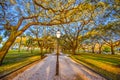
[57, 62]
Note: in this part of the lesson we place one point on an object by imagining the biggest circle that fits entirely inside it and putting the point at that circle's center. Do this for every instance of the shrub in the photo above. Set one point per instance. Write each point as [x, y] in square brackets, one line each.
[106, 49]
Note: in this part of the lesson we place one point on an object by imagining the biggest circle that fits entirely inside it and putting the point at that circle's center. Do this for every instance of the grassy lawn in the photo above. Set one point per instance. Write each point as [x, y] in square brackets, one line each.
[106, 65]
[15, 60]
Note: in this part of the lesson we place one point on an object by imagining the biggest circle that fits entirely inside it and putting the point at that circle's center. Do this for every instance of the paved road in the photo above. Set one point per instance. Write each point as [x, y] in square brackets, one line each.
[69, 70]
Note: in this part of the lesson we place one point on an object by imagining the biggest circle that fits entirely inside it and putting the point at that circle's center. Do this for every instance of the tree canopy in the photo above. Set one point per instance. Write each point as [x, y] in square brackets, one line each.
[17, 16]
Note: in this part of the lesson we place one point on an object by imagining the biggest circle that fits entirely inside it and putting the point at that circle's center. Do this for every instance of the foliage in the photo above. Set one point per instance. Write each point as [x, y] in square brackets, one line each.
[106, 49]
[105, 34]
[0, 39]
[18, 15]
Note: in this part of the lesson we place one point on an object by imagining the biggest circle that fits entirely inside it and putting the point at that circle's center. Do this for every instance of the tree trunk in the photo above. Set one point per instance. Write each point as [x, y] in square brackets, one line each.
[41, 52]
[93, 47]
[100, 50]
[83, 49]
[20, 44]
[74, 51]
[46, 49]
[100, 47]
[6, 47]
[31, 49]
[112, 50]
[39, 45]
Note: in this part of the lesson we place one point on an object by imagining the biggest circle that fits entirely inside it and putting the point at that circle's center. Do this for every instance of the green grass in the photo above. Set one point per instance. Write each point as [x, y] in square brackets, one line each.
[15, 60]
[106, 65]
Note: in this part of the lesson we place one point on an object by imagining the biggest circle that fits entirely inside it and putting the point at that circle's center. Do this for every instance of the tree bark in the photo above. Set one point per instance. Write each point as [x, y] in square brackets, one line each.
[83, 49]
[41, 52]
[112, 50]
[40, 47]
[46, 49]
[74, 51]
[20, 44]
[31, 49]
[6, 47]
[100, 48]
[39, 44]
[93, 51]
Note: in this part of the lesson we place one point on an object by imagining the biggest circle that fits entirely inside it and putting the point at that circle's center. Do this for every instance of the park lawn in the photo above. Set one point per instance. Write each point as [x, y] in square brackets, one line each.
[15, 60]
[104, 64]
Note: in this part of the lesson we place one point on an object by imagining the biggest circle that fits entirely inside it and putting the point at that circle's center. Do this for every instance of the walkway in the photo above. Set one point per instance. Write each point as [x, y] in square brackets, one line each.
[69, 70]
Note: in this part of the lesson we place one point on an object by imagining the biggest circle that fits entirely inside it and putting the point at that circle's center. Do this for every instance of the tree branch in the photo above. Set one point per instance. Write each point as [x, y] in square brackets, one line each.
[23, 18]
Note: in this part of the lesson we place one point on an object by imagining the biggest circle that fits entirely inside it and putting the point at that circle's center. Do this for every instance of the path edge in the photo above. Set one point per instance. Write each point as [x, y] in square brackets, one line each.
[12, 74]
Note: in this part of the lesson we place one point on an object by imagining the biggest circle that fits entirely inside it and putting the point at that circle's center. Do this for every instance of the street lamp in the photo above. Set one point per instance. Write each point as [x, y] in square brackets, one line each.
[58, 33]
[57, 62]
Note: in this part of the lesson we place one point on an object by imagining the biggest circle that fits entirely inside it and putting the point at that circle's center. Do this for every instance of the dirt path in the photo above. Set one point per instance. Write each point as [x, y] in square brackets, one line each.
[69, 70]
